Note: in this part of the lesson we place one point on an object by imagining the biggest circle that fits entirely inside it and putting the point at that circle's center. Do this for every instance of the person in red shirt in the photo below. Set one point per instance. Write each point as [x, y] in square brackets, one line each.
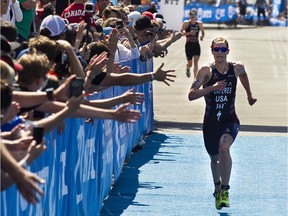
[75, 13]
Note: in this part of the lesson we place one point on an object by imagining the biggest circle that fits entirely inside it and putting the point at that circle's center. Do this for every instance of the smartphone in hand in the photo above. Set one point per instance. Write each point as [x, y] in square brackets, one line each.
[38, 133]
[76, 87]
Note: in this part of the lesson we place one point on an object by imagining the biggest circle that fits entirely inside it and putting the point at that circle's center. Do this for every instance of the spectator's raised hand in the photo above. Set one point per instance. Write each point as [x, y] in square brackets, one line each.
[164, 75]
[112, 41]
[97, 63]
[80, 30]
[124, 115]
[133, 98]
[84, 51]
[118, 69]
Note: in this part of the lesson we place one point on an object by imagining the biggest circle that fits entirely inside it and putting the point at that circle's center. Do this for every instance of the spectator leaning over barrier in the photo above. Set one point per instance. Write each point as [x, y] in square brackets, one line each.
[16, 141]
[161, 45]
[10, 119]
[11, 171]
[61, 67]
[65, 58]
[52, 106]
[123, 79]
[122, 53]
[131, 20]
[46, 46]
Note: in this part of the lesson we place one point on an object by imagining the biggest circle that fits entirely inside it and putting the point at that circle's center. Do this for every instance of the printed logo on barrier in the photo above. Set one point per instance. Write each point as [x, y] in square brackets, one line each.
[231, 11]
[219, 13]
[207, 14]
[199, 13]
[275, 11]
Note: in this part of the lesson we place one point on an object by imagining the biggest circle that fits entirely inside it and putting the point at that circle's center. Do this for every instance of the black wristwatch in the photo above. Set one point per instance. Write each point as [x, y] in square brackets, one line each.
[49, 93]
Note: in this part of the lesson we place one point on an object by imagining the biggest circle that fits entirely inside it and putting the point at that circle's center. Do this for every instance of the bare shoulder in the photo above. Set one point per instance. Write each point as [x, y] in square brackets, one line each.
[205, 69]
[185, 24]
[239, 68]
[237, 64]
[204, 74]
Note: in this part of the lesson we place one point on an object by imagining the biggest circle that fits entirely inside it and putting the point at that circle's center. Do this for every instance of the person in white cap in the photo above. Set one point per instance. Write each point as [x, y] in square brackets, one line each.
[53, 26]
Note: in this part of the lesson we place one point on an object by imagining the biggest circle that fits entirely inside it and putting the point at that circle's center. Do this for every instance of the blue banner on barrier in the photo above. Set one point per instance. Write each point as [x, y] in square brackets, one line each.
[79, 163]
[212, 14]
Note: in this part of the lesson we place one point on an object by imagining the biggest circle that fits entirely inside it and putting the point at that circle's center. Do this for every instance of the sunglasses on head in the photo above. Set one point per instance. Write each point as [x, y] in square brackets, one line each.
[217, 49]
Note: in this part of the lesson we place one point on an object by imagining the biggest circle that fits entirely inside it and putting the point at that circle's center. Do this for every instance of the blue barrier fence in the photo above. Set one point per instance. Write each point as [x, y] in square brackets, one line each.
[78, 165]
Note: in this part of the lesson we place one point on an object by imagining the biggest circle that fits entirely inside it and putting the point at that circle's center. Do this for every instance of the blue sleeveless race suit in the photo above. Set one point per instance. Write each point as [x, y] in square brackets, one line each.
[220, 116]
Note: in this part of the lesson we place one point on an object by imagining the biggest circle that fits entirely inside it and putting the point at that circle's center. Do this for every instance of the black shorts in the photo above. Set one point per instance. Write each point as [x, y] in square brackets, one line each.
[192, 49]
[213, 134]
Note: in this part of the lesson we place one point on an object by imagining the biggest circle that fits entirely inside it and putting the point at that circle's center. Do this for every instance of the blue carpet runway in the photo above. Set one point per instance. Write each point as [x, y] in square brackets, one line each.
[171, 176]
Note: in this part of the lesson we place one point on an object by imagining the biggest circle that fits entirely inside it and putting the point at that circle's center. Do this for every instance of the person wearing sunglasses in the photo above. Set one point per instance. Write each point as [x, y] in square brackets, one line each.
[221, 124]
[191, 28]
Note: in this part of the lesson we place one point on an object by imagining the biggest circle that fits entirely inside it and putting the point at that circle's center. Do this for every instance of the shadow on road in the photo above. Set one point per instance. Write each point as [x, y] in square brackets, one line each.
[198, 126]
[126, 187]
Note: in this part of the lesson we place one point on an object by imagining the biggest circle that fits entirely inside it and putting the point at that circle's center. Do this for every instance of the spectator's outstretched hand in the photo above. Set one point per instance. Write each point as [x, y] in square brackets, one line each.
[133, 98]
[26, 183]
[74, 103]
[176, 36]
[61, 92]
[124, 115]
[21, 144]
[14, 133]
[164, 76]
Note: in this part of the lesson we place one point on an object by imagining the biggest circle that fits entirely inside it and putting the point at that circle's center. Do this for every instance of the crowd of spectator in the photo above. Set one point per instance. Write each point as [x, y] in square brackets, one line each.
[54, 54]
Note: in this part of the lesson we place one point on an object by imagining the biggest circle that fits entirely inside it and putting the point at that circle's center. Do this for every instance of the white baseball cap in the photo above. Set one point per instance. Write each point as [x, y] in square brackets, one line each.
[55, 24]
[132, 17]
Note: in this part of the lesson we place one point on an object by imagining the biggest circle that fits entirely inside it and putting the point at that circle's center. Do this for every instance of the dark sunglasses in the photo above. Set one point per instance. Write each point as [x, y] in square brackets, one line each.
[222, 49]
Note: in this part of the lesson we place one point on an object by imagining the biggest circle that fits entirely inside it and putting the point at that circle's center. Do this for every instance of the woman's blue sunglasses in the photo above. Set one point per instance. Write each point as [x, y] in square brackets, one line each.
[217, 49]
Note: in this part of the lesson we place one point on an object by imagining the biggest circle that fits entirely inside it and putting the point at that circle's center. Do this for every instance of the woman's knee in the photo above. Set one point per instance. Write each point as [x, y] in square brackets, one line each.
[225, 143]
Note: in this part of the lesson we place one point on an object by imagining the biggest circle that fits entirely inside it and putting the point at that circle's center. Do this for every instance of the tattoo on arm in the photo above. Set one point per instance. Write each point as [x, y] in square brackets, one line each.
[196, 84]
